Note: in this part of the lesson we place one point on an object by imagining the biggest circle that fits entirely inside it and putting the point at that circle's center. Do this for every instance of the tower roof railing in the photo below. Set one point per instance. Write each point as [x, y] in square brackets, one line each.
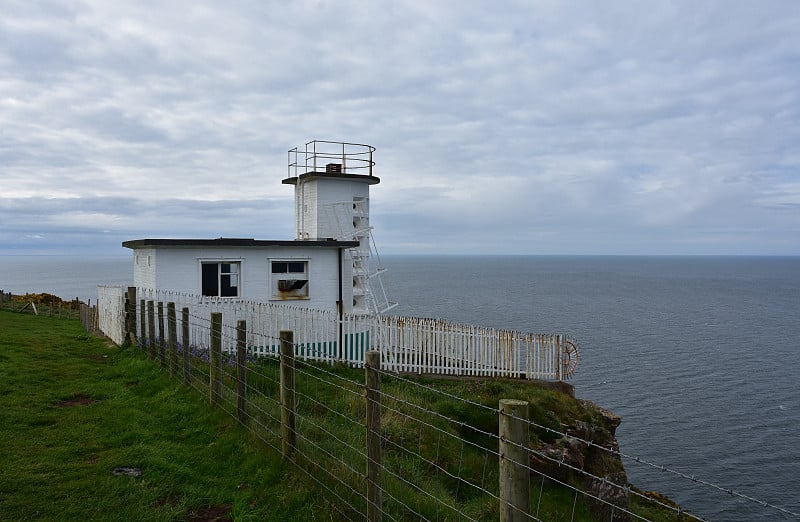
[331, 157]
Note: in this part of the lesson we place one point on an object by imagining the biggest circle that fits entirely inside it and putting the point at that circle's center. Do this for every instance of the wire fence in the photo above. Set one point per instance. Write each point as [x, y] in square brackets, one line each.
[41, 304]
[434, 453]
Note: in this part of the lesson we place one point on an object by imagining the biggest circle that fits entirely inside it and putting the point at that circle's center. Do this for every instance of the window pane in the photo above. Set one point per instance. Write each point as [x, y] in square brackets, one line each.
[297, 267]
[209, 277]
[229, 268]
[229, 284]
[279, 267]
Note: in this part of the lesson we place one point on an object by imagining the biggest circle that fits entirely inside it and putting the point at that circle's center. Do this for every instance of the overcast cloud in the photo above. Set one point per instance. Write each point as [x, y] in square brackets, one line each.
[535, 127]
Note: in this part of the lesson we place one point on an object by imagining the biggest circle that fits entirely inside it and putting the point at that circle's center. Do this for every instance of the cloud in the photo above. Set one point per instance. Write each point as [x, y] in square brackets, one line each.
[618, 127]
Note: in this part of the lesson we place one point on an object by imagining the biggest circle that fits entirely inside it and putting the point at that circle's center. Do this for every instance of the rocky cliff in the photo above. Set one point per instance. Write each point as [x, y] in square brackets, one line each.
[582, 458]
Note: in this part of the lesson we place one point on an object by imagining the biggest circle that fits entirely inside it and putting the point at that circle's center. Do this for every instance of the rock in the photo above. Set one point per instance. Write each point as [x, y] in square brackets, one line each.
[127, 470]
[582, 457]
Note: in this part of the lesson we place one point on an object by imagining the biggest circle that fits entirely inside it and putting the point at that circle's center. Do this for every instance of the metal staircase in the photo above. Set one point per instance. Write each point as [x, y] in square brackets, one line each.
[352, 224]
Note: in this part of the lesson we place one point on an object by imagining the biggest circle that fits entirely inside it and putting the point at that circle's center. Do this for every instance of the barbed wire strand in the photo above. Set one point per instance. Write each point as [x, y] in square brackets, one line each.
[462, 424]
[222, 401]
[438, 444]
[589, 444]
[611, 451]
[232, 411]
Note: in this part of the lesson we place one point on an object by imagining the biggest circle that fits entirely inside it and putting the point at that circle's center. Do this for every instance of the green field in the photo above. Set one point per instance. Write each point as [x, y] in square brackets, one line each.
[74, 408]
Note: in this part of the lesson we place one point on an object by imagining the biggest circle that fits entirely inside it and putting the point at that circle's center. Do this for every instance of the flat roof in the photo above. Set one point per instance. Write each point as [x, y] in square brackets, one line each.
[292, 180]
[239, 242]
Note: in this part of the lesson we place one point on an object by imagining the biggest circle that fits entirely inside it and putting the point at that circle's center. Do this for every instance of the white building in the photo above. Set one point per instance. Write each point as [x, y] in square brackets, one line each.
[330, 264]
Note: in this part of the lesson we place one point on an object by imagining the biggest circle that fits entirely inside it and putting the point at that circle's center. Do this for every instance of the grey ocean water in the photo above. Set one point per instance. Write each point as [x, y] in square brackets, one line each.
[68, 277]
[699, 355]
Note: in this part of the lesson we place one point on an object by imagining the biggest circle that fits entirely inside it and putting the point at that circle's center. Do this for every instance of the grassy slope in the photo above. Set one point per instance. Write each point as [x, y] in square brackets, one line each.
[58, 459]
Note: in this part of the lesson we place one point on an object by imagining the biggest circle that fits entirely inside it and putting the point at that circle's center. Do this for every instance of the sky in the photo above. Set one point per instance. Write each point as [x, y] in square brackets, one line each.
[531, 127]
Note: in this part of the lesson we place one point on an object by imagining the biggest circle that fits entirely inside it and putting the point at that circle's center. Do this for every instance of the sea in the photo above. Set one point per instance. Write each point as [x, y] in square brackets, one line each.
[700, 356]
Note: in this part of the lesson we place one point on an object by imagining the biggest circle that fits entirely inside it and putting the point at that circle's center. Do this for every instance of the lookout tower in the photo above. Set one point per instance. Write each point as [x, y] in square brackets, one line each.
[331, 197]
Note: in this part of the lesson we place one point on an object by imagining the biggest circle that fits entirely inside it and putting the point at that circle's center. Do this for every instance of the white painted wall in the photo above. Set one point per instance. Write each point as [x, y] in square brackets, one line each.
[179, 269]
[306, 214]
[318, 197]
[144, 267]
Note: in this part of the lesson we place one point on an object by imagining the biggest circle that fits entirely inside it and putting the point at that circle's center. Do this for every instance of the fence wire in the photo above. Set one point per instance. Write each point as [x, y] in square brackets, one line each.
[435, 465]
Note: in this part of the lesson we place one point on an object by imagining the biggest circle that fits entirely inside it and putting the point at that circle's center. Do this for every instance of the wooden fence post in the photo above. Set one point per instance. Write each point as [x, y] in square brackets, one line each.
[515, 482]
[288, 436]
[162, 342]
[172, 327]
[214, 359]
[130, 316]
[241, 369]
[185, 343]
[151, 328]
[143, 325]
[372, 368]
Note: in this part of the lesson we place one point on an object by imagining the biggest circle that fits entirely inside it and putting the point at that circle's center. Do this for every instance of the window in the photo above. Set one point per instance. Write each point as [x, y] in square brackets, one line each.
[289, 279]
[221, 279]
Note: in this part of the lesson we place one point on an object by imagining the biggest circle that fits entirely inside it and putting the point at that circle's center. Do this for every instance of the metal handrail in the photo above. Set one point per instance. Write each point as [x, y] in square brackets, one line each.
[354, 158]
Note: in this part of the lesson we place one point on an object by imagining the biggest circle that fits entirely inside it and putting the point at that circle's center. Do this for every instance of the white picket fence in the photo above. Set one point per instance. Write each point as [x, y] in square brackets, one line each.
[407, 344]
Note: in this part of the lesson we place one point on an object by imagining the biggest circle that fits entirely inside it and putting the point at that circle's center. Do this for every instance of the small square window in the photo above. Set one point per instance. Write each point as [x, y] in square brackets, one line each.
[220, 279]
[289, 280]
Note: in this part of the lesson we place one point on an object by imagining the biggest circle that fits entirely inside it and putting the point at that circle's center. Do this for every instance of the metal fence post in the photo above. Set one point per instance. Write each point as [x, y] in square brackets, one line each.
[288, 435]
[558, 358]
[515, 482]
[214, 359]
[241, 370]
[372, 368]
[172, 324]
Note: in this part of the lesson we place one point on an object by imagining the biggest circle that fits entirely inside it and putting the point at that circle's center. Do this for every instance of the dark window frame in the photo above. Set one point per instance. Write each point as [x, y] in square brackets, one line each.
[221, 278]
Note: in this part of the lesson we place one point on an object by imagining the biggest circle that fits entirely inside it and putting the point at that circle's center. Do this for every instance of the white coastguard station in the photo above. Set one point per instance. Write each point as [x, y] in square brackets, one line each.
[330, 265]
[324, 285]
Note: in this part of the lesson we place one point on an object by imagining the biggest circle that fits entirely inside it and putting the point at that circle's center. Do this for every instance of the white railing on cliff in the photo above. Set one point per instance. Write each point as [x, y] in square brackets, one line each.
[407, 344]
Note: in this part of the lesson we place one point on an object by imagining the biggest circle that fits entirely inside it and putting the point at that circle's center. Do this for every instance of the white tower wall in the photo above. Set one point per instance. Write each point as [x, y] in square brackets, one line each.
[324, 207]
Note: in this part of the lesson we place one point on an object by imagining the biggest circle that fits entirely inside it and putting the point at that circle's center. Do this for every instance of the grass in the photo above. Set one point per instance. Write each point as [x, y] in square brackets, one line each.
[74, 407]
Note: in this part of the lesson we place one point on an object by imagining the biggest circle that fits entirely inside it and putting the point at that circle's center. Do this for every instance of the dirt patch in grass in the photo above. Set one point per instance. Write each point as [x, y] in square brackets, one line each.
[79, 399]
[220, 513]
